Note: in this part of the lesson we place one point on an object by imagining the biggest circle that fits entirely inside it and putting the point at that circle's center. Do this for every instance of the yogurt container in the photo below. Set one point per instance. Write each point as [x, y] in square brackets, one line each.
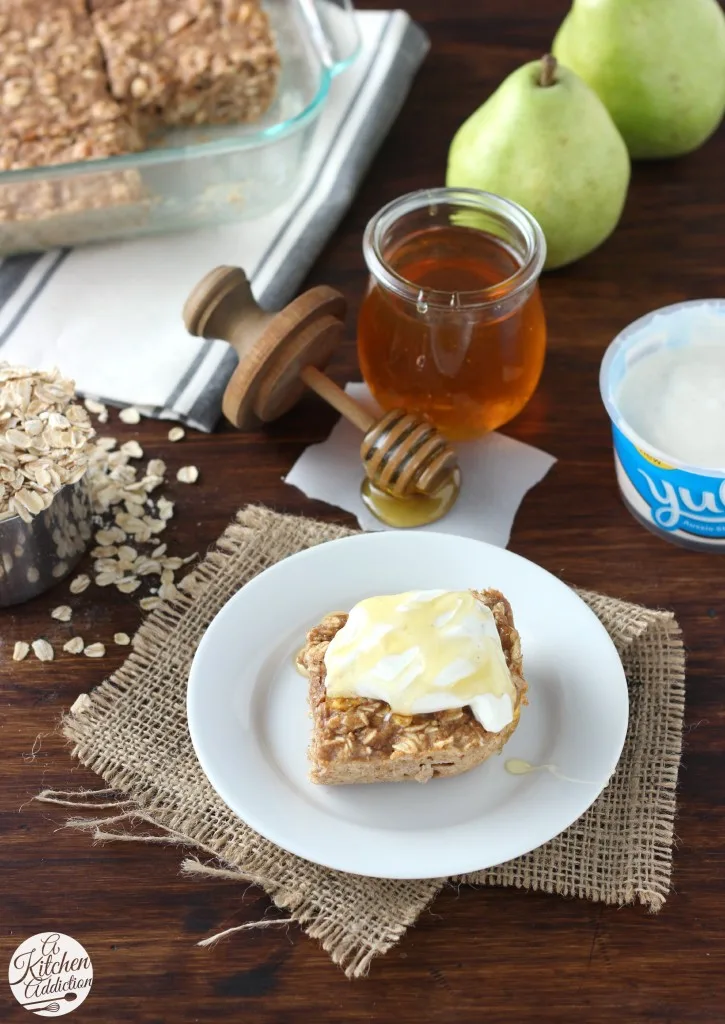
[662, 381]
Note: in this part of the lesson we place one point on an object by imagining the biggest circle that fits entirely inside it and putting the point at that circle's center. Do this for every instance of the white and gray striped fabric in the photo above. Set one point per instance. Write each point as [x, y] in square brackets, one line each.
[110, 316]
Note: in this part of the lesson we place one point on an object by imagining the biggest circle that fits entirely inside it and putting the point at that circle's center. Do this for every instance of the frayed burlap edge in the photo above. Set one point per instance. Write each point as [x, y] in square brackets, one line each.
[621, 848]
[627, 858]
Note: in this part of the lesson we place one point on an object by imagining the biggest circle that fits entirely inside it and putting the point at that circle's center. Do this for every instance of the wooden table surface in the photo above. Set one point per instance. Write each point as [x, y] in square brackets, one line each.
[477, 955]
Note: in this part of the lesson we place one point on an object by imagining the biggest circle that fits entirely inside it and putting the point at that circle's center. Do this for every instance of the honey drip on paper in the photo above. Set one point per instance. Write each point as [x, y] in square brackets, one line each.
[417, 510]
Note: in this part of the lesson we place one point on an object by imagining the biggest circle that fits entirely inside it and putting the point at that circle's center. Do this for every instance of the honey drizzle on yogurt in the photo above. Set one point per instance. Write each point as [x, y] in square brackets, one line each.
[423, 652]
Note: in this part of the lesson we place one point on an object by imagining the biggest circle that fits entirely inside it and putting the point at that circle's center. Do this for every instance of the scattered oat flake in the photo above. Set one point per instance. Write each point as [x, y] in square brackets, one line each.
[167, 591]
[122, 638]
[79, 584]
[165, 508]
[106, 565]
[75, 645]
[105, 579]
[94, 651]
[20, 650]
[106, 551]
[159, 551]
[187, 475]
[42, 650]
[128, 585]
[133, 449]
[113, 535]
[95, 407]
[156, 467]
[62, 613]
[130, 415]
[149, 603]
[145, 566]
[176, 433]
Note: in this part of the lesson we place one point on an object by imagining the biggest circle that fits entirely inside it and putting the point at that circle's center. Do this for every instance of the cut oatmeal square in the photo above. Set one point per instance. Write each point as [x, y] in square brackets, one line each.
[188, 62]
[53, 79]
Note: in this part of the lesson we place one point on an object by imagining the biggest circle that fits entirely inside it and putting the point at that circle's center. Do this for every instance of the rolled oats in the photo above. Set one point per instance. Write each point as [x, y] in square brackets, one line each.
[20, 650]
[167, 592]
[188, 475]
[74, 646]
[94, 651]
[107, 579]
[176, 434]
[113, 535]
[130, 415]
[62, 613]
[128, 585]
[133, 449]
[80, 583]
[43, 650]
[45, 439]
[165, 508]
[123, 639]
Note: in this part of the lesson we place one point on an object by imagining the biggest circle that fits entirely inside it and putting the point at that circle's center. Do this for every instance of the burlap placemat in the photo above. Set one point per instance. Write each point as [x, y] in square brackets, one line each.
[132, 730]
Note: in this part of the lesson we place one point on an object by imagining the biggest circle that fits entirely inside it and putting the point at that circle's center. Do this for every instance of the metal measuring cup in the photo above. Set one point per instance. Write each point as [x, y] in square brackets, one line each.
[35, 556]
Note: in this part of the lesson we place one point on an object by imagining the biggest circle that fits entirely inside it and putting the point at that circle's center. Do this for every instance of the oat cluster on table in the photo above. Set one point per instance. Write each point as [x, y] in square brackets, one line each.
[123, 495]
[128, 514]
[45, 439]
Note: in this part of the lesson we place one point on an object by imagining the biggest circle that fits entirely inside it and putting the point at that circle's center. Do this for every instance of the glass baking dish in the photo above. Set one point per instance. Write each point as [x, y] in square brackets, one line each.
[194, 176]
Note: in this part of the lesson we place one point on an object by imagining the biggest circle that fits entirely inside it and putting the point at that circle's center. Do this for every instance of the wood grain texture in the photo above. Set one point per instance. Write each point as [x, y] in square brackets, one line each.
[499, 956]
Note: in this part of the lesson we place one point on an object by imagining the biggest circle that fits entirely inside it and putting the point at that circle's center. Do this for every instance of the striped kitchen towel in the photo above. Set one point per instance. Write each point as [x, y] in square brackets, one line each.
[110, 316]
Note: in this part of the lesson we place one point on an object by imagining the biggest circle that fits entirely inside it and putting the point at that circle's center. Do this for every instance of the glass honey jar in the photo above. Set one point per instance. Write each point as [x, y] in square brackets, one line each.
[452, 326]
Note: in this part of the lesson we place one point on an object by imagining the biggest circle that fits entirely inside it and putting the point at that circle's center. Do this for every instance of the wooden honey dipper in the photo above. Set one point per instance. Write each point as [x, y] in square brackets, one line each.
[282, 353]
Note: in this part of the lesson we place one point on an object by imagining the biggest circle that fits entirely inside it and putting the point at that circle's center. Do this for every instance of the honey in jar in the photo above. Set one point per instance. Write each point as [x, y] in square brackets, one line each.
[452, 326]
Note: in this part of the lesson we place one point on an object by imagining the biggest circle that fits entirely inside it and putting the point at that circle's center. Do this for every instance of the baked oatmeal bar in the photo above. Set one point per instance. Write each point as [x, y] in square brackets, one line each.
[96, 142]
[56, 109]
[53, 81]
[188, 62]
[360, 740]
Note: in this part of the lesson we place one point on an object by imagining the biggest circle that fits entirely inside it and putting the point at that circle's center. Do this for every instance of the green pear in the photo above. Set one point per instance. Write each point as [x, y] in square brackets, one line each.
[545, 140]
[658, 66]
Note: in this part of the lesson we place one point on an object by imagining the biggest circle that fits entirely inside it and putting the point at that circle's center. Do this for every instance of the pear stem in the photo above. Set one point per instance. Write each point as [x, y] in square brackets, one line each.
[548, 70]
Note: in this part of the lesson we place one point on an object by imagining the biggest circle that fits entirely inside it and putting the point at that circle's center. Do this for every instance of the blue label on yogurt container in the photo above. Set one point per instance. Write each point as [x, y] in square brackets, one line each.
[690, 502]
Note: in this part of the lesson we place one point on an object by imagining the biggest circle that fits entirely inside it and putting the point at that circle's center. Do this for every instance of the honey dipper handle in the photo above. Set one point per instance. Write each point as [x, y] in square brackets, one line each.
[336, 397]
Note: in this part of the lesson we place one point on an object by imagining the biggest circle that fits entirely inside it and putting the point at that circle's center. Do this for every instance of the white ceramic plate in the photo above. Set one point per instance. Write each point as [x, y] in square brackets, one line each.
[249, 724]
